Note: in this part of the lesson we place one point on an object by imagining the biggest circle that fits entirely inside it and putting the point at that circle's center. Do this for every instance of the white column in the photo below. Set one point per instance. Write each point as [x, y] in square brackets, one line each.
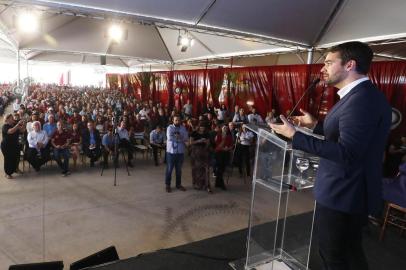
[18, 67]
[310, 56]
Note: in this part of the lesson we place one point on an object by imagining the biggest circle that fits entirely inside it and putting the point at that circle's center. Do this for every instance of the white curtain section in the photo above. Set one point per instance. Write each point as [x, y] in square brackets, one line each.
[54, 73]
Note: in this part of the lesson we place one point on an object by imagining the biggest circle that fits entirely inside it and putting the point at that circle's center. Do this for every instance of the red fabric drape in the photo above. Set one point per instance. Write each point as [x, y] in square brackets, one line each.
[274, 87]
[389, 77]
[216, 79]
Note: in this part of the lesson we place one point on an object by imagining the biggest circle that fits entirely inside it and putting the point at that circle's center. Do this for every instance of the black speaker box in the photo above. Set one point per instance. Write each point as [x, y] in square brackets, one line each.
[104, 256]
[57, 265]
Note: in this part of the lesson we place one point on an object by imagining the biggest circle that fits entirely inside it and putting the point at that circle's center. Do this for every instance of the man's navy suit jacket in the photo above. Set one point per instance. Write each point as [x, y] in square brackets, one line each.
[350, 169]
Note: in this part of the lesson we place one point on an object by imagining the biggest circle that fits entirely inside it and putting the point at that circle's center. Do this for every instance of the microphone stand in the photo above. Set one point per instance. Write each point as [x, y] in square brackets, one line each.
[311, 86]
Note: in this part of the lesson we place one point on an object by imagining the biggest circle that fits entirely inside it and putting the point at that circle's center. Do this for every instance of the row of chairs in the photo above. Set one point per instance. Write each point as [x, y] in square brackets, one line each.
[144, 148]
[104, 256]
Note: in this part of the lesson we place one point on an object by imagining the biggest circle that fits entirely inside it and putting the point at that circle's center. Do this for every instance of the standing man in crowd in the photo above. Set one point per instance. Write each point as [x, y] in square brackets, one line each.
[187, 109]
[60, 142]
[348, 186]
[177, 138]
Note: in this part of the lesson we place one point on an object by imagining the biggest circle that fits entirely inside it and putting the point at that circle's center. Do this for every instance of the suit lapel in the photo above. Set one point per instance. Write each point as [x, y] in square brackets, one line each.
[342, 101]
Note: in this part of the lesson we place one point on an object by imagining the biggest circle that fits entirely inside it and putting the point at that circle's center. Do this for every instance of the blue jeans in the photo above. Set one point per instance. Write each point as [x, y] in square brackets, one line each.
[173, 160]
[62, 153]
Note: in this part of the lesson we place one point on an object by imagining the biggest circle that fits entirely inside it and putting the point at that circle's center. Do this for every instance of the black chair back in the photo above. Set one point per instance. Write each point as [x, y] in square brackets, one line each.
[56, 265]
[104, 256]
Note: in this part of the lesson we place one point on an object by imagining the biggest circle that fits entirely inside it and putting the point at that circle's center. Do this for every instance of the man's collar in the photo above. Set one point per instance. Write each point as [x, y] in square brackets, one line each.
[346, 89]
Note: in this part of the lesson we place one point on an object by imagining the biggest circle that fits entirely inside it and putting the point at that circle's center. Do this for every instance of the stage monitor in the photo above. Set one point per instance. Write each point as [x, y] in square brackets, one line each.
[104, 256]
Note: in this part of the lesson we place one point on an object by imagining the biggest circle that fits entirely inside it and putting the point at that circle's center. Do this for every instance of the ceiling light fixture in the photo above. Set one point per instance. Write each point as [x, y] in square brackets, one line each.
[116, 33]
[185, 41]
[27, 23]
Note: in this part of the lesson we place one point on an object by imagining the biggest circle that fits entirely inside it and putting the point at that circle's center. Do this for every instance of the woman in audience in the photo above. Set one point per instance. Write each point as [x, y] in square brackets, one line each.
[199, 141]
[76, 141]
[224, 144]
[10, 145]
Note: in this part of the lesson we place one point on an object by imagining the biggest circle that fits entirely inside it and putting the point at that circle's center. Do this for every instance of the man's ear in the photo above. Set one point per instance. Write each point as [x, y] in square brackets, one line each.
[351, 65]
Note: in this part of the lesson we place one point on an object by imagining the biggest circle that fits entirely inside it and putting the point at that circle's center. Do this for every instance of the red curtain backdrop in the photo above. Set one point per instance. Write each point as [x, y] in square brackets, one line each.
[274, 87]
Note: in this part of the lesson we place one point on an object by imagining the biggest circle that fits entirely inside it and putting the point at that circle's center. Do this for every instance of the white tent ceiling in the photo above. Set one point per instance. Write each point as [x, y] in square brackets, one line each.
[75, 30]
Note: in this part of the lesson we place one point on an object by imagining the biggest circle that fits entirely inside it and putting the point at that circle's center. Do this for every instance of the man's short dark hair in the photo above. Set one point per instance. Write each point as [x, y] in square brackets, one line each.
[360, 52]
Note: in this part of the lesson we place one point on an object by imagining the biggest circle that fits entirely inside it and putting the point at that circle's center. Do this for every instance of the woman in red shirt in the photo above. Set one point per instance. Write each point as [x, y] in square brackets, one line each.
[224, 144]
[76, 141]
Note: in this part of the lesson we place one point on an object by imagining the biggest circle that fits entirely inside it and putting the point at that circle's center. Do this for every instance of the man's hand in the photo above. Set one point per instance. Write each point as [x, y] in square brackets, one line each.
[286, 129]
[305, 120]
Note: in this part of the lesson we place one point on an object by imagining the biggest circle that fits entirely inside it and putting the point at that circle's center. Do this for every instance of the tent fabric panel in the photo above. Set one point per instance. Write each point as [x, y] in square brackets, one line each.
[299, 21]
[367, 19]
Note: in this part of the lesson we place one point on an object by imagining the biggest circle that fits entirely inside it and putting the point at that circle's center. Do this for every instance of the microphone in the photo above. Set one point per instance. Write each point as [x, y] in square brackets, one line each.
[311, 86]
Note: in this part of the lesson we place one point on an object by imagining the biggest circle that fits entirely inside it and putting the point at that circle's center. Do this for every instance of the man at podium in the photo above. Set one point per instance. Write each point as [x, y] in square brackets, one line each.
[348, 184]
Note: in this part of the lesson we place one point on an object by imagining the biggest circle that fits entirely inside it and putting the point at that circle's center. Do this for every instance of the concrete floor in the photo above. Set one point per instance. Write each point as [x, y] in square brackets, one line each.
[44, 216]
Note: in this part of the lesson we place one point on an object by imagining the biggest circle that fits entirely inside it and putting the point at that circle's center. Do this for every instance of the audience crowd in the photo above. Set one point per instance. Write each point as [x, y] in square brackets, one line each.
[63, 123]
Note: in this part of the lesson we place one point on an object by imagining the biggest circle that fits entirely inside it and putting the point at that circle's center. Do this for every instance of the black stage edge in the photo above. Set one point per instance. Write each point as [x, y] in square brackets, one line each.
[216, 252]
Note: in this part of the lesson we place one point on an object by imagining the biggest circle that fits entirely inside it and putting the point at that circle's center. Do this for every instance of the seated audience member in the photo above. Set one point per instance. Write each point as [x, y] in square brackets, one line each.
[38, 148]
[394, 156]
[125, 142]
[254, 117]
[34, 117]
[50, 126]
[209, 109]
[240, 117]
[222, 113]
[60, 142]
[394, 190]
[157, 141]
[16, 105]
[76, 141]
[270, 117]
[91, 143]
[139, 128]
[108, 147]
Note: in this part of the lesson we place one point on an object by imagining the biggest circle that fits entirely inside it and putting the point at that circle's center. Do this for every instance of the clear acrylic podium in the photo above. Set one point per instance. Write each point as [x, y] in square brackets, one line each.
[281, 184]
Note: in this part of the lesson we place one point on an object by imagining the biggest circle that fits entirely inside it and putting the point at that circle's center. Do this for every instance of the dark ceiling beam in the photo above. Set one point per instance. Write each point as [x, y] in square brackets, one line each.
[328, 23]
[205, 11]
[163, 42]
[201, 43]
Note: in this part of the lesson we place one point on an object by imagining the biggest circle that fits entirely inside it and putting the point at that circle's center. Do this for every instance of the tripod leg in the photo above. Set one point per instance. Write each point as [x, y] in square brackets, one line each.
[126, 165]
[232, 163]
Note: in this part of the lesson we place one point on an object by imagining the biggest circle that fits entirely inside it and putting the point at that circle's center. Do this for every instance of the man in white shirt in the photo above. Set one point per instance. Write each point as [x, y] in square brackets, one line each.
[38, 150]
[16, 105]
[254, 117]
[245, 140]
[187, 109]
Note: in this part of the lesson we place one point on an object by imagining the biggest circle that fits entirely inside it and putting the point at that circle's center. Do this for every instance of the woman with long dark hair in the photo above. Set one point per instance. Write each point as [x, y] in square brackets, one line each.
[199, 141]
[224, 144]
[10, 145]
